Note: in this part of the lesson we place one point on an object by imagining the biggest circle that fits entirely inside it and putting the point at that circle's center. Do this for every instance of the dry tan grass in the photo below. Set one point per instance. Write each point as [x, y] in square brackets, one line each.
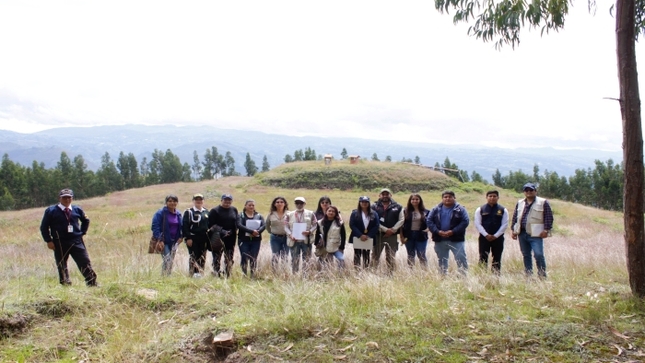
[585, 258]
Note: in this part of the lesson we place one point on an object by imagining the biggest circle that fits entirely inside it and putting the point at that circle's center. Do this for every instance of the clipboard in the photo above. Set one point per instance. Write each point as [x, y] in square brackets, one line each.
[368, 244]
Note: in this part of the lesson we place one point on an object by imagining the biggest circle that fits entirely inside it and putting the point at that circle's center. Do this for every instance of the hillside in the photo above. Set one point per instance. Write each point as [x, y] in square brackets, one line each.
[582, 313]
[365, 175]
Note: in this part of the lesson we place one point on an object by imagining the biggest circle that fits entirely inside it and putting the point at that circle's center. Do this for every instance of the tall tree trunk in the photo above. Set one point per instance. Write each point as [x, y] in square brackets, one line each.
[630, 108]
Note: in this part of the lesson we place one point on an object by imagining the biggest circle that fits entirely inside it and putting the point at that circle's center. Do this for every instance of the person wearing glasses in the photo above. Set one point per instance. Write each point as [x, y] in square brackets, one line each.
[300, 225]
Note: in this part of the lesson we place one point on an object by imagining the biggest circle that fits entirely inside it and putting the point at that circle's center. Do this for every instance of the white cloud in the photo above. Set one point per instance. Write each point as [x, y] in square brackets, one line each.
[363, 68]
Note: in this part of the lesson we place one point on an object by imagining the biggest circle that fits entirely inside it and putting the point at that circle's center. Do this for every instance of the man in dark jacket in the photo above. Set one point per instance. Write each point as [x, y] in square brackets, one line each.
[223, 218]
[63, 227]
[491, 220]
[391, 218]
[447, 222]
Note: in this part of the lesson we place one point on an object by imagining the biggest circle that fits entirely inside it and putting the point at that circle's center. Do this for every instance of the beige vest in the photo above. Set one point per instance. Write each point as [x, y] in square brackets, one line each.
[536, 215]
[307, 217]
[333, 238]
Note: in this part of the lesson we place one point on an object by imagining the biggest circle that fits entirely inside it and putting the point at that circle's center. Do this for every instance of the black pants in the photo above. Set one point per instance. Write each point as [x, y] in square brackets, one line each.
[197, 254]
[496, 247]
[227, 252]
[357, 258]
[76, 249]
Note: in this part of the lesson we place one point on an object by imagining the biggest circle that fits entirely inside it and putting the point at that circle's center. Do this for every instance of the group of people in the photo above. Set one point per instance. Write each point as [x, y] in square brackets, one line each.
[374, 229]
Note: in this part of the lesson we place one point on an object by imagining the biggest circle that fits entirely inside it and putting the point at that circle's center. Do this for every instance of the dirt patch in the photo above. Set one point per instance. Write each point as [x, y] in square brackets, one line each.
[13, 325]
[202, 349]
[55, 308]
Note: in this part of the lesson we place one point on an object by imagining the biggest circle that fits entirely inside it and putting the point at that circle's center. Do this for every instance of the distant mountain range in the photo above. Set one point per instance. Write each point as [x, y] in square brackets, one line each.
[92, 142]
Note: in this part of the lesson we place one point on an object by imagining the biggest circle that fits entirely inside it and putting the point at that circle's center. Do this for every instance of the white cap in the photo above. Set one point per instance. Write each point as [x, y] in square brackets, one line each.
[300, 199]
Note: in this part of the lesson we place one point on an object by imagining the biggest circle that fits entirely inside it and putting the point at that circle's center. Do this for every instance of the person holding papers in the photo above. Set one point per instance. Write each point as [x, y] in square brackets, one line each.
[250, 225]
[300, 225]
[414, 233]
[364, 225]
[532, 222]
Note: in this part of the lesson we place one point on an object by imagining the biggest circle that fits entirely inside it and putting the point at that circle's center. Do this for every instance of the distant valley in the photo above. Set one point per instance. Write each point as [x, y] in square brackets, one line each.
[92, 142]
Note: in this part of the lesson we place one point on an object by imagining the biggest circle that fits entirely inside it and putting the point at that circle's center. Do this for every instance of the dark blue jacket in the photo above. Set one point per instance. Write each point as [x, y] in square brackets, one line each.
[458, 222]
[158, 224]
[54, 224]
[358, 227]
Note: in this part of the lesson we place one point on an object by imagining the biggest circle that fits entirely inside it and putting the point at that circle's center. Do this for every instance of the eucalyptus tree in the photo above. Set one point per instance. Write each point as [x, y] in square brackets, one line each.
[265, 164]
[249, 166]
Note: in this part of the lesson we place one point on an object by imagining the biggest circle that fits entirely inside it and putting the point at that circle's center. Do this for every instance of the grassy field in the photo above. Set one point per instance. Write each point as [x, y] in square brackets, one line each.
[582, 313]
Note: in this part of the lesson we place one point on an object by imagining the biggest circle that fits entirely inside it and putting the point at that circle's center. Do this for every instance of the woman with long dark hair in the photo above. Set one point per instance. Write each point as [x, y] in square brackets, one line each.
[332, 236]
[323, 204]
[415, 231]
[275, 226]
[364, 224]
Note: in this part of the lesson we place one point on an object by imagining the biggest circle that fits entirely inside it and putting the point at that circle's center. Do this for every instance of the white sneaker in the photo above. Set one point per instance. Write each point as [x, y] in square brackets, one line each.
[197, 275]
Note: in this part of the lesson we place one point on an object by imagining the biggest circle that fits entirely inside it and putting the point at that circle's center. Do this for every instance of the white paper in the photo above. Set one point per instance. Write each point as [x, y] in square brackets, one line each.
[536, 229]
[253, 224]
[363, 245]
[297, 230]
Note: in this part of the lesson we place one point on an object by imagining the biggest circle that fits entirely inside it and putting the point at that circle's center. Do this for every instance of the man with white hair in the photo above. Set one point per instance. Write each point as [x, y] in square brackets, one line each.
[300, 225]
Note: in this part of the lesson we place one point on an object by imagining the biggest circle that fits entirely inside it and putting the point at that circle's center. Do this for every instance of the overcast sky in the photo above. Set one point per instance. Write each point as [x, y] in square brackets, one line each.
[371, 69]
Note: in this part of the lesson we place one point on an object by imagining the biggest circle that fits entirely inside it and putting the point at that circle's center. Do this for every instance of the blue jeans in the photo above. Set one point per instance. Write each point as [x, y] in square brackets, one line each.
[168, 256]
[458, 249]
[299, 249]
[340, 256]
[417, 248]
[249, 252]
[535, 244]
[279, 249]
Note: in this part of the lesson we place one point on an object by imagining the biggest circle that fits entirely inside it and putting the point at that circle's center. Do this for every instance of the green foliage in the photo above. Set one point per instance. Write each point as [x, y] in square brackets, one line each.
[250, 166]
[501, 21]
[229, 162]
[343, 154]
[265, 164]
[601, 187]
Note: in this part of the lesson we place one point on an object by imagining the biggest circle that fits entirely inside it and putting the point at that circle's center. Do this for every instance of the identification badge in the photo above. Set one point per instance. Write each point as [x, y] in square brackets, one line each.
[382, 220]
[70, 229]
